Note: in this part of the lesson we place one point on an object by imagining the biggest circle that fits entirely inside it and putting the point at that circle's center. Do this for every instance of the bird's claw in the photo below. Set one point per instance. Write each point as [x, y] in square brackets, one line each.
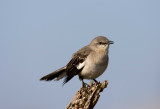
[85, 84]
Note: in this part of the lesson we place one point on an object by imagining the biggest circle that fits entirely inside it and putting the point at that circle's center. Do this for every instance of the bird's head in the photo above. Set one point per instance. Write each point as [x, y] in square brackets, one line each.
[100, 43]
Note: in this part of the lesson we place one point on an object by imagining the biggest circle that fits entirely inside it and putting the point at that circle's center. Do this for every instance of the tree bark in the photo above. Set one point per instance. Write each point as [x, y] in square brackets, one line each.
[87, 97]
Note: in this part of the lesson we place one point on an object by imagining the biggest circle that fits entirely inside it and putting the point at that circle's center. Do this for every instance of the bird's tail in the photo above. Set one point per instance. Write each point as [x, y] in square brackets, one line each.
[57, 75]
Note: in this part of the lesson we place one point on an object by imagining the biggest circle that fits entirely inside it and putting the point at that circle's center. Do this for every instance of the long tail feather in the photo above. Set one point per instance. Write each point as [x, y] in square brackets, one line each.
[58, 74]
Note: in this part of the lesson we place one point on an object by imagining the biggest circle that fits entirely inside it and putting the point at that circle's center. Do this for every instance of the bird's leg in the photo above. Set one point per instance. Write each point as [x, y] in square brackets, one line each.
[96, 82]
[84, 84]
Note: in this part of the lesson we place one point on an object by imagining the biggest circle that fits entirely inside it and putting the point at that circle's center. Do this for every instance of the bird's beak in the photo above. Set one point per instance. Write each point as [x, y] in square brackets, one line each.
[111, 42]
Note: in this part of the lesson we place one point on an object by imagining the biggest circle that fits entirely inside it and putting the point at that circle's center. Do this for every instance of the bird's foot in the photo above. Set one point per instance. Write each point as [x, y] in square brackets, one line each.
[95, 82]
[85, 84]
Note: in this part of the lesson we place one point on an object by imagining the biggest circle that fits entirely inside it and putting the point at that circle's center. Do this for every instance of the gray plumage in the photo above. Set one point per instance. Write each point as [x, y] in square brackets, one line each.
[89, 62]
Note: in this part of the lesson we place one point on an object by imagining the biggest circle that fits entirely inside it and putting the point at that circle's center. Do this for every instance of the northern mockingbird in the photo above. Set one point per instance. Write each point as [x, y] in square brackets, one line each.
[89, 62]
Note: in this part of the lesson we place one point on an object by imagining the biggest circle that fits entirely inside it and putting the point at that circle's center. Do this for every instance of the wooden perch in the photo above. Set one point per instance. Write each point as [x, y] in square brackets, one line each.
[87, 97]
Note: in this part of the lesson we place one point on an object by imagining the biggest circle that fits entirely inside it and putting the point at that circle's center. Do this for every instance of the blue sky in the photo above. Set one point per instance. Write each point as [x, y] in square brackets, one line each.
[40, 36]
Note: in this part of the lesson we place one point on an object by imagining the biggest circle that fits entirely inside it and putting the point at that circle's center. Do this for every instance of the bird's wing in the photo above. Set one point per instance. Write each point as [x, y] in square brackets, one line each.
[77, 63]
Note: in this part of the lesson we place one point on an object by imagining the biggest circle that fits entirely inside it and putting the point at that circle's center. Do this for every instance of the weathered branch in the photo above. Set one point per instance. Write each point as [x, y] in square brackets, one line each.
[87, 97]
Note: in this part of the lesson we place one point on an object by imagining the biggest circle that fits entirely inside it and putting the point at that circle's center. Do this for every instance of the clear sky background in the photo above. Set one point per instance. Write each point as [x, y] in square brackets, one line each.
[39, 36]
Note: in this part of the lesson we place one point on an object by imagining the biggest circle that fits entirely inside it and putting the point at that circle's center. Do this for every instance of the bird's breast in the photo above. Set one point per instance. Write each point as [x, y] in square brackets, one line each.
[95, 65]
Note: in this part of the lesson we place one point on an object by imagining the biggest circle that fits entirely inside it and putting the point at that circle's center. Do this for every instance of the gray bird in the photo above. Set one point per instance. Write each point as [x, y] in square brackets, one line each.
[88, 63]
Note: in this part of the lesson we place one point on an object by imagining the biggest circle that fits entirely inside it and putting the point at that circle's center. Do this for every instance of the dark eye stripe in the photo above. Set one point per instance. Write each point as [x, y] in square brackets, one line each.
[101, 43]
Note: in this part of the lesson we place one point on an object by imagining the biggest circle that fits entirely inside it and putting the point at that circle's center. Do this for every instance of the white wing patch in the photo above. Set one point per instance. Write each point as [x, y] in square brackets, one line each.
[80, 65]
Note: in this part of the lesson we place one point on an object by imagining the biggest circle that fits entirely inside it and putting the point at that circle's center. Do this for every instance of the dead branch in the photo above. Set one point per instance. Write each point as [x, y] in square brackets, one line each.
[87, 97]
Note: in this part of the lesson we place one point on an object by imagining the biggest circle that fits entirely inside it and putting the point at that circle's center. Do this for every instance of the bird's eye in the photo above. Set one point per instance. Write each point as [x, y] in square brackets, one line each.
[100, 43]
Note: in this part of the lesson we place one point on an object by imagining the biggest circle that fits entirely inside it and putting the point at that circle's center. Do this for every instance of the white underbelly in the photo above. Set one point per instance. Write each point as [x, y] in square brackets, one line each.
[94, 67]
[92, 71]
